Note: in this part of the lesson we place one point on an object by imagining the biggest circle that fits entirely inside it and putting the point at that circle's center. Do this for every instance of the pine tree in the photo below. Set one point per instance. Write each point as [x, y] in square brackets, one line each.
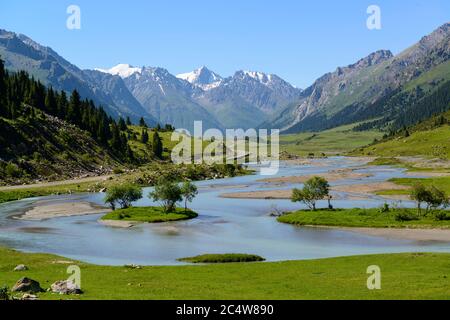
[51, 105]
[142, 123]
[144, 136]
[129, 123]
[122, 125]
[74, 112]
[157, 145]
[2, 89]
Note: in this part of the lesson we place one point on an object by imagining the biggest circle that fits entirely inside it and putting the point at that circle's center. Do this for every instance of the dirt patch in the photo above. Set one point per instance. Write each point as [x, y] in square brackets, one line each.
[441, 235]
[267, 195]
[331, 176]
[46, 210]
[369, 188]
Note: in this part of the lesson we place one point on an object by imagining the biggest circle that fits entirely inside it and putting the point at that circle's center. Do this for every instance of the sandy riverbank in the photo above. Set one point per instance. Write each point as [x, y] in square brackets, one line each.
[43, 210]
[331, 176]
[283, 195]
[442, 235]
[117, 223]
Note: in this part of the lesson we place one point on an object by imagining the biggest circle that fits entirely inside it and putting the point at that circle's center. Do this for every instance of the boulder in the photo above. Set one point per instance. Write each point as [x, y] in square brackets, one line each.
[21, 267]
[65, 287]
[28, 296]
[27, 285]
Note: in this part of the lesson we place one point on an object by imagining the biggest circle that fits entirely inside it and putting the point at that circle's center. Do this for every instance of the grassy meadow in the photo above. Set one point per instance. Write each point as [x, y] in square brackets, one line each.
[404, 276]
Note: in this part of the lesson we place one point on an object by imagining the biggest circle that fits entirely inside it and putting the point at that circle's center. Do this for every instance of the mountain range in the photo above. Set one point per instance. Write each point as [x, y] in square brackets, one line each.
[377, 90]
[379, 85]
[242, 101]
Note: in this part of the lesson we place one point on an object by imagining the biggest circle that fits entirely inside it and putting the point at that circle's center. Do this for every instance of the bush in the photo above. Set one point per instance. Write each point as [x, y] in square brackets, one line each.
[223, 258]
[12, 170]
[385, 208]
[4, 293]
[123, 194]
[117, 171]
[441, 216]
[405, 216]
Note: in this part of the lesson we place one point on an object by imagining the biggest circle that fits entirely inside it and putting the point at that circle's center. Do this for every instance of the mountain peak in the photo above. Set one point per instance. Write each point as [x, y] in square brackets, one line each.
[202, 77]
[123, 70]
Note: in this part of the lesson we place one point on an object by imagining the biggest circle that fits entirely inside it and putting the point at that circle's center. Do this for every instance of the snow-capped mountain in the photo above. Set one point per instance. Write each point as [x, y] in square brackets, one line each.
[122, 70]
[202, 77]
[243, 100]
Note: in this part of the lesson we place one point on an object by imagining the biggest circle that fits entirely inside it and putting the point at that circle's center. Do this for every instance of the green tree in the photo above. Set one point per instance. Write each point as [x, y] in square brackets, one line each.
[144, 136]
[189, 191]
[129, 123]
[314, 189]
[124, 195]
[420, 194]
[142, 123]
[122, 124]
[168, 193]
[157, 145]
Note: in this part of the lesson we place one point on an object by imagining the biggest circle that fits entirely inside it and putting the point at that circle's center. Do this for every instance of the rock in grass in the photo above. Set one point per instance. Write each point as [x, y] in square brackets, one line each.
[27, 285]
[21, 267]
[28, 296]
[65, 287]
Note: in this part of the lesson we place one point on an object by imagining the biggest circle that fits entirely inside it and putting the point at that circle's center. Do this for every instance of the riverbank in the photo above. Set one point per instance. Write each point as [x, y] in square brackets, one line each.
[291, 280]
[396, 223]
[43, 210]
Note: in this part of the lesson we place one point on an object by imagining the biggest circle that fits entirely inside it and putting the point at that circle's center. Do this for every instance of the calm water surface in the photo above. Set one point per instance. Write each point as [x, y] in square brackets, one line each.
[223, 226]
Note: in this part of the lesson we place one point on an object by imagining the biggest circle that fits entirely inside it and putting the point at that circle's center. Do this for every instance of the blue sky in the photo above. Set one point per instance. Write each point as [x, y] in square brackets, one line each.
[298, 40]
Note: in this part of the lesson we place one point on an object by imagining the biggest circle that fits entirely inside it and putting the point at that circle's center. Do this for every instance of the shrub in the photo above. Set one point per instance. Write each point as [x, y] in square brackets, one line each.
[123, 194]
[315, 189]
[4, 293]
[441, 216]
[168, 193]
[12, 170]
[385, 208]
[404, 215]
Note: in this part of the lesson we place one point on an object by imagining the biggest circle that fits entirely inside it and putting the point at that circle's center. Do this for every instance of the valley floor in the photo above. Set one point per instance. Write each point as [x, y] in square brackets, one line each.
[404, 276]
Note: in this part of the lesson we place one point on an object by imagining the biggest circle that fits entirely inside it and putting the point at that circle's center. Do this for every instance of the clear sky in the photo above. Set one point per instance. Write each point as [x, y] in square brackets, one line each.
[297, 39]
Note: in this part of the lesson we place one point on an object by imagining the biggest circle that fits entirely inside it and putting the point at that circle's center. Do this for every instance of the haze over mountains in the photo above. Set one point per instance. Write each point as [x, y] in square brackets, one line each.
[378, 88]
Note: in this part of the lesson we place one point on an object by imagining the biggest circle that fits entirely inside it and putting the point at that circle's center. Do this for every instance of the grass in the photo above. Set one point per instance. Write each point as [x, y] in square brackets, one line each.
[443, 183]
[330, 142]
[434, 143]
[150, 215]
[364, 218]
[223, 258]
[404, 276]
[31, 192]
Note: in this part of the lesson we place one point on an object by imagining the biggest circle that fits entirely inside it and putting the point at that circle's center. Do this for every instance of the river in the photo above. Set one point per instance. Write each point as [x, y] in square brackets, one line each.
[223, 226]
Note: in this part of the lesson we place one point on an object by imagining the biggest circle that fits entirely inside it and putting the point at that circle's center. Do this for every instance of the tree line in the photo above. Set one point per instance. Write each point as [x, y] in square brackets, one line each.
[21, 95]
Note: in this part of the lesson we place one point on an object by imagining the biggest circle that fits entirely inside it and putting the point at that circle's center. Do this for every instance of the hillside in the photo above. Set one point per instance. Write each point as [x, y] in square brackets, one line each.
[48, 148]
[46, 135]
[429, 139]
[329, 142]
[379, 85]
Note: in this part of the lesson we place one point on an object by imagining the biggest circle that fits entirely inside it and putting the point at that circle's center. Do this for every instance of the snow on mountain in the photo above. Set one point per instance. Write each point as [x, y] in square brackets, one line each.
[202, 77]
[260, 76]
[122, 70]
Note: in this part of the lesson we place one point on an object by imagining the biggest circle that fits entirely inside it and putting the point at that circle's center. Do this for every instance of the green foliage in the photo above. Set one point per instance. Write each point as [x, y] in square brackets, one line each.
[189, 191]
[364, 218]
[150, 215]
[124, 195]
[223, 258]
[4, 293]
[157, 145]
[432, 196]
[314, 189]
[29, 101]
[12, 170]
[168, 193]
